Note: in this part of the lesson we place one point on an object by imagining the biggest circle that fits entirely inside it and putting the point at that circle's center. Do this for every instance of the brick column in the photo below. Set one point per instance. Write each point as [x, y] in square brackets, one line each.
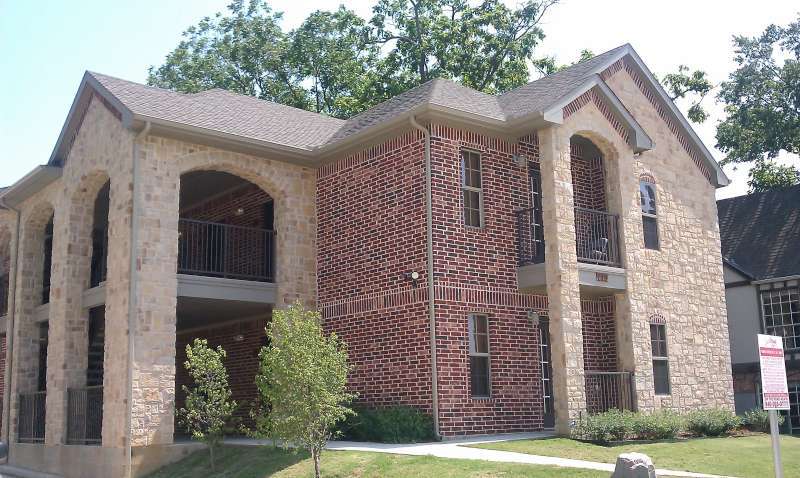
[67, 352]
[563, 290]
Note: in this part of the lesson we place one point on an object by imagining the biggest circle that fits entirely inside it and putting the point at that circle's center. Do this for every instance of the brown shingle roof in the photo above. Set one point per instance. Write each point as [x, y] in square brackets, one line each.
[227, 112]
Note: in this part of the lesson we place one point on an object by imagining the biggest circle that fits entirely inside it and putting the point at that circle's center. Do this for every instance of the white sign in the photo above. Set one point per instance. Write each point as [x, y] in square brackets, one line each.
[775, 391]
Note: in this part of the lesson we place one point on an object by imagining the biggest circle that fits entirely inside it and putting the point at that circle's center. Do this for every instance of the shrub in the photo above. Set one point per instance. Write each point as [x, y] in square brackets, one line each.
[208, 401]
[389, 425]
[606, 427]
[711, 422]
[757, 420]
[660, 425]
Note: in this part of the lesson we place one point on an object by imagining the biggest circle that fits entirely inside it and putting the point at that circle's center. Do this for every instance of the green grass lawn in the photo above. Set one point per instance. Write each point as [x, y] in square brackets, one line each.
[746, 457]
[258, 462]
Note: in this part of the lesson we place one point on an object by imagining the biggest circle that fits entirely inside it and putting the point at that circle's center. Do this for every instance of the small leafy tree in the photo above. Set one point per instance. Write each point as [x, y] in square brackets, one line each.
[302, 380]
[208, 402]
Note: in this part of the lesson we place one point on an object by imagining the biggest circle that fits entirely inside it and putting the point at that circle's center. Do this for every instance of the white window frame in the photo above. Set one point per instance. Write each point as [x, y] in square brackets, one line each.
[660, 358]
[464, 187]
[474, 353]
[650, 215]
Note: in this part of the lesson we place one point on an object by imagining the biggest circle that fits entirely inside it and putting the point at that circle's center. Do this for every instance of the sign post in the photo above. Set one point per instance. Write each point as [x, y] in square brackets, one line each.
[775, 391]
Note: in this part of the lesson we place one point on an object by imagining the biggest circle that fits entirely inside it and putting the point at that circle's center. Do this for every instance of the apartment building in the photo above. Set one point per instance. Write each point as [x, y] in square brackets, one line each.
[760, 241]
[504, 263]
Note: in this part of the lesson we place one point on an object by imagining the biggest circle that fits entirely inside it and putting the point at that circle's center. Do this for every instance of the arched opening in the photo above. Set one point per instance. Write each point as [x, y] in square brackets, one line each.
[226, 227]
[47, 260]
[5, 270]
[596, 230]
[226, 240]
[32, 325]
[99, 264]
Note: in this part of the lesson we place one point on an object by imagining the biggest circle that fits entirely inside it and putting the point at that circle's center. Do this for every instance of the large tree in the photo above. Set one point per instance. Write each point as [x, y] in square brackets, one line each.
[762, 104]
[339, 64]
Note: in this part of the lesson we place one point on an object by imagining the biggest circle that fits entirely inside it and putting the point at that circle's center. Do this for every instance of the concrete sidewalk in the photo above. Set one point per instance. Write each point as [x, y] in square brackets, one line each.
[458, 449]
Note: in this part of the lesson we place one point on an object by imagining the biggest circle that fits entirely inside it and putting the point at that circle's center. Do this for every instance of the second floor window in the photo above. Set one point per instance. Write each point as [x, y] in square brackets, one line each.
[781, 312]
[479, 356]
[647, 193]
[658, 344]
[472, 191]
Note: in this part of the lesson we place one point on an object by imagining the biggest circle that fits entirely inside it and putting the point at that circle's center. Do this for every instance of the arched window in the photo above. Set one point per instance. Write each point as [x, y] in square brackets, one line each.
[647, 194]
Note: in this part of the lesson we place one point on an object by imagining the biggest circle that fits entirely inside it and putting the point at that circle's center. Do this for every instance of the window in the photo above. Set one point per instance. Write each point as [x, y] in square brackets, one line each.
[647, 193]
[479, 356]
[658, 343]
[781, 311]
[471, 188]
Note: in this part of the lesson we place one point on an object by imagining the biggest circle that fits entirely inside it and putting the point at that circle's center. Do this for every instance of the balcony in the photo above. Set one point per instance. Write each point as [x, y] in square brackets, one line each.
[222, 250]
[31, 418]
[85, 416]
[609, 390]
[597, 246]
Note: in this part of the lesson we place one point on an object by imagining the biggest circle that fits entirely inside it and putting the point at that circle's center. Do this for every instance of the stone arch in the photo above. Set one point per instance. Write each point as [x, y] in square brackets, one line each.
[259, 172]
[5, 269]
[657, 319]
[83, 200]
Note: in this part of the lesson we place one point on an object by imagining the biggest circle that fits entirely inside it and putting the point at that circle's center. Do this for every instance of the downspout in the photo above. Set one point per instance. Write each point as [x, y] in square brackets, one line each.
[431, 306]
[134, 231]
[10, 319]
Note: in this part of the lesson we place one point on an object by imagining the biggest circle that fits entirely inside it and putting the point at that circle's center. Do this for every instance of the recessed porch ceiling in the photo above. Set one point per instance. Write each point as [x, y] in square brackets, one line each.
[195, 312]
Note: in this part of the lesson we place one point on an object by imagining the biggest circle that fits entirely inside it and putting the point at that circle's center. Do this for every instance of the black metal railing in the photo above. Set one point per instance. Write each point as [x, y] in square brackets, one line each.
[3, 294]
[609, 390]
[99, 268]
[223, 250]
[597, 237]
[31, 417]
[85, 416]
[530, 236]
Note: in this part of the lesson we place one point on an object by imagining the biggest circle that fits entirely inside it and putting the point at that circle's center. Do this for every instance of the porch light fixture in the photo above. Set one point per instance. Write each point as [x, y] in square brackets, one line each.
[413, 276]
[533, 317]
[240, 211]
[238, 338]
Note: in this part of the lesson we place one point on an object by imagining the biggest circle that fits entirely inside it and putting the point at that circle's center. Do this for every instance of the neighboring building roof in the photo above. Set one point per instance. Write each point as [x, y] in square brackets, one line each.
[760, 233]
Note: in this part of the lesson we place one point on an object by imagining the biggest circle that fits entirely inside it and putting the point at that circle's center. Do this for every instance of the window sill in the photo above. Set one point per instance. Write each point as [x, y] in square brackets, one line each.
[481, 399]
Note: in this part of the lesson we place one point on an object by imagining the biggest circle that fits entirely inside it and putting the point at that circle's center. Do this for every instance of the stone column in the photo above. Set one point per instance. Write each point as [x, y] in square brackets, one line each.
[67, 352]
[156, 252]
[563, 290]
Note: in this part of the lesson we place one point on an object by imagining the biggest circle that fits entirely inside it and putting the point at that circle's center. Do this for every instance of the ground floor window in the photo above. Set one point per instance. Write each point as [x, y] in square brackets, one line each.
[658, 342]
[479, 356]
[781, 312]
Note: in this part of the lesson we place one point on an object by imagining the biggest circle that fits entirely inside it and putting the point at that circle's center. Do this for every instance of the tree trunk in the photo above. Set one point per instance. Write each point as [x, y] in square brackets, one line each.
[315, 455]
[211, 453]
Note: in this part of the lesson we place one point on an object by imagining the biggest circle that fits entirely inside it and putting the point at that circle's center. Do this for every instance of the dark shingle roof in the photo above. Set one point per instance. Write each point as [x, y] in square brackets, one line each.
[539, 95]
[760, 232]
[227, 112]
[250, 117]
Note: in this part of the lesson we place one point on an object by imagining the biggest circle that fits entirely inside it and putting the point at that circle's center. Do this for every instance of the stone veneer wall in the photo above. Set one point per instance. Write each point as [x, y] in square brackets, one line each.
[683, 280]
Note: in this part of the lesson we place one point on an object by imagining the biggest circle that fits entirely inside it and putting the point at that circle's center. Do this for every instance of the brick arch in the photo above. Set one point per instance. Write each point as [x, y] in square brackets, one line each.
[657, 319]
[647, 177]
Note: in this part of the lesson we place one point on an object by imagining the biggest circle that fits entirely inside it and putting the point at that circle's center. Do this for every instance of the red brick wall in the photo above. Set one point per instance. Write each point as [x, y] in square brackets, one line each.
[588, 178]
[241, 361]
[599, 335]
[372, 230]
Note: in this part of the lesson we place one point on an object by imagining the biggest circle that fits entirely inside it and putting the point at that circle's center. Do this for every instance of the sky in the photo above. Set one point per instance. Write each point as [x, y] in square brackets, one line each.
[46, 45]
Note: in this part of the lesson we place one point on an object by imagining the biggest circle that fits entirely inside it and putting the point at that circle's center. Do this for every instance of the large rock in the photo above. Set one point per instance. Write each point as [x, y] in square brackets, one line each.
[634, 465]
